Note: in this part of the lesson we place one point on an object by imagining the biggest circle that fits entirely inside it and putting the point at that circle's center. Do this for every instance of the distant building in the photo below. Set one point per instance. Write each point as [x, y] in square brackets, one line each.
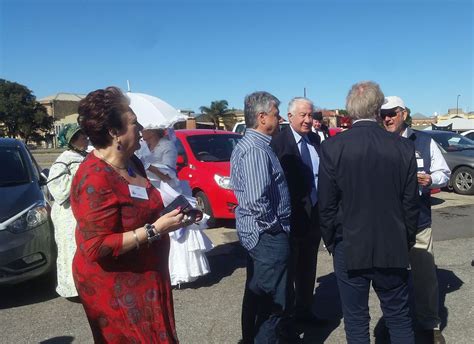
[423, 122]
[63, 108]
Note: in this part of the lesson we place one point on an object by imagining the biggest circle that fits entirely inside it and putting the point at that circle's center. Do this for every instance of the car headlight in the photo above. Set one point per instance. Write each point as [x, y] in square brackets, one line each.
[29, 220]
[223, 182]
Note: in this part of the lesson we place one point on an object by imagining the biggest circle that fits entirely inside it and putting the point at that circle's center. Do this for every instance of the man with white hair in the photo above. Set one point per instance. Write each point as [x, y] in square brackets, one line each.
[297, 149]
[368, 205]
[433, 172]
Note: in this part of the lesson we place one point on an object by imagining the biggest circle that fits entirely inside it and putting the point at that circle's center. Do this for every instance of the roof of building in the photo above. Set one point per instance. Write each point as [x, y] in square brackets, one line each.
[63, 97]
[458, 123]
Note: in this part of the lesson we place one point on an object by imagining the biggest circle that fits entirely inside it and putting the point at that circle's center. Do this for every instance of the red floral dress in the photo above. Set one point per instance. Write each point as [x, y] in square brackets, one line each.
[127, 298]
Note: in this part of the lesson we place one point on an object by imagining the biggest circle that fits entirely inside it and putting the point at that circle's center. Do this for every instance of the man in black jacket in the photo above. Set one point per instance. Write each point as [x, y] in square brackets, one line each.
[369, 176]
[297, 149]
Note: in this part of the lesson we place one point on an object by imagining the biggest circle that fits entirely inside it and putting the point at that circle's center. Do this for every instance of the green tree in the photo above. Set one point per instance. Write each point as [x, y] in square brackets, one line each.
[219, 110]
[20, 113]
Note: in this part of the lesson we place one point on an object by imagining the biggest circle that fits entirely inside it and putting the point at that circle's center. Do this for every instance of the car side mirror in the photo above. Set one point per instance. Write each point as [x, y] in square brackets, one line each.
[43, 178]
[180, 161]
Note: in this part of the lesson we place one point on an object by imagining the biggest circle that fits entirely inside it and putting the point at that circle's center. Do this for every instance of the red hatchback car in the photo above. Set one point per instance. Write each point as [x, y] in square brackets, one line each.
[204, 161]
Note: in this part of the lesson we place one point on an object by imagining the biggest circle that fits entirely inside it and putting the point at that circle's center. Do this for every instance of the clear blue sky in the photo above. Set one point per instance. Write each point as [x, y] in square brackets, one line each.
[190, 53]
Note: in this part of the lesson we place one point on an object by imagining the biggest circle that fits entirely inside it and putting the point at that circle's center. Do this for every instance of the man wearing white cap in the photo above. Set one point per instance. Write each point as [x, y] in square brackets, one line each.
[433, 172]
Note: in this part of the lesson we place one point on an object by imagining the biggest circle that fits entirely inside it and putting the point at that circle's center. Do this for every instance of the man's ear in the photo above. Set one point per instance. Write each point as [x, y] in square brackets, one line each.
[405, 115]
[261, 117]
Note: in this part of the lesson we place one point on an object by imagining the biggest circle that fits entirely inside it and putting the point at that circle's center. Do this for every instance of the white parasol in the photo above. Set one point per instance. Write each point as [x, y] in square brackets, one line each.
[152, 112]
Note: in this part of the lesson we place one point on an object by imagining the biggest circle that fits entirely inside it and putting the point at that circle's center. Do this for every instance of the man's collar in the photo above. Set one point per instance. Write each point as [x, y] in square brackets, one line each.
[407, 132]
[258, 134]
[364, 119]
[296, 135]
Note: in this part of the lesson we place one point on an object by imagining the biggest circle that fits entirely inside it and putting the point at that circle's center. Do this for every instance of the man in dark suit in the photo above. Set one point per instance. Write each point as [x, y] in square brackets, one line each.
[369, 176]
[297, 149]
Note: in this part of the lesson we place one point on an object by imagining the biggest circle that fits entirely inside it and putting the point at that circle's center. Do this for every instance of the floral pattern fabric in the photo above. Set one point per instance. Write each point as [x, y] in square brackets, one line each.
[59, 185]
[127, 298]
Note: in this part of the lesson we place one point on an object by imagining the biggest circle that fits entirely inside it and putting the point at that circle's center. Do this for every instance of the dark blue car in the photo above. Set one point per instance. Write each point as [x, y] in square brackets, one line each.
[27, 247]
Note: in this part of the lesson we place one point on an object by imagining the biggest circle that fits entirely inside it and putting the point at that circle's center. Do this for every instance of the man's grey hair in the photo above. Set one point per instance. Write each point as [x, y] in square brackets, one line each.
[295, 100]
[256, 103]
[364, 100]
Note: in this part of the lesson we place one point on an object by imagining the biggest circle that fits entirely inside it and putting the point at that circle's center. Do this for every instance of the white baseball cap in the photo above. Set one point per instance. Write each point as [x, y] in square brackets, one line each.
[392, 102]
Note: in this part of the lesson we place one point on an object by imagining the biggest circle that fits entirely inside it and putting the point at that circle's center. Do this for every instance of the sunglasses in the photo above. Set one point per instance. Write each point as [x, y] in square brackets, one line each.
[390, 113]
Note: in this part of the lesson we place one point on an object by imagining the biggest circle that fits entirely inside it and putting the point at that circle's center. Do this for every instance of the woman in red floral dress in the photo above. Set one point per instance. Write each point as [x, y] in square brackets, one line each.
[121, 264]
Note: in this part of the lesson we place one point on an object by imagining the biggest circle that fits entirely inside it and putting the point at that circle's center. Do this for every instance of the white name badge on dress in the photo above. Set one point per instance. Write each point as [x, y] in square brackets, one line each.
[138, 191]
[419, 163]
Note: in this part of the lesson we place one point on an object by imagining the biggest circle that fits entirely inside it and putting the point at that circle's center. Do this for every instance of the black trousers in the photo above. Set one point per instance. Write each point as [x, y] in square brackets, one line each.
[303, 261]
[391, 287]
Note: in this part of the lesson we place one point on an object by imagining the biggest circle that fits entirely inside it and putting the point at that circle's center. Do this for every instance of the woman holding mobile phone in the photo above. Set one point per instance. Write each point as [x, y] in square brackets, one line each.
[121, 264]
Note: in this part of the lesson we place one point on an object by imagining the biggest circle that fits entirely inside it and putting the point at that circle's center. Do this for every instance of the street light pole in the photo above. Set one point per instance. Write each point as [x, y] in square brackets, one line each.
[457, 104]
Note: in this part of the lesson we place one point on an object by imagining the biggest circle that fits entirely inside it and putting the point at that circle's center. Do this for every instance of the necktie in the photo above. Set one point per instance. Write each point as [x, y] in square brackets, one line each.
[306, 157]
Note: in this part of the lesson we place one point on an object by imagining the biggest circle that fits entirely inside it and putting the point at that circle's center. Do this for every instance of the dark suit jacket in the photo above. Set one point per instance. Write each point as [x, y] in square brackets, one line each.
[371, 175]
[298, 178]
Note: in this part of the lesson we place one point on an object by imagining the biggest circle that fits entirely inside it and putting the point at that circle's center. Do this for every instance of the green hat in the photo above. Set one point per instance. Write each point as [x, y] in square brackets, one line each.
[67, 133]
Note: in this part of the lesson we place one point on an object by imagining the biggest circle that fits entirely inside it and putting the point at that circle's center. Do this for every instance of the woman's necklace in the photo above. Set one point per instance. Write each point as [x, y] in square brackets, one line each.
[128, 168]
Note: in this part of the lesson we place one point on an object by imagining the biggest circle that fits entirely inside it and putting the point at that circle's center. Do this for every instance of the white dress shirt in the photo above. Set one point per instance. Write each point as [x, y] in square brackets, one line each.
[439, 169]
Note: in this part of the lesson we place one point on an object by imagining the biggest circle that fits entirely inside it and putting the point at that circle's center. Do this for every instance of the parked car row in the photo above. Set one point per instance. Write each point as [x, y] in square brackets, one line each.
[27, 247]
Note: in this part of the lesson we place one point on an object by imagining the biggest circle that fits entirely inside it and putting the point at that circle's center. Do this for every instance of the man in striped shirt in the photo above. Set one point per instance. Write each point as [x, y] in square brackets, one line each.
[262, 221]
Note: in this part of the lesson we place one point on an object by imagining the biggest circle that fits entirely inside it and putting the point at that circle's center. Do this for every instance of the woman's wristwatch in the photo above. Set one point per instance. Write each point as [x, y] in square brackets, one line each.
[151, 234]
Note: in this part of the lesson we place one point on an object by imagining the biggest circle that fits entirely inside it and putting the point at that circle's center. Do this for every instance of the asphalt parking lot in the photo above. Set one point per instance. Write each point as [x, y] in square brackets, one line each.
[208, 310]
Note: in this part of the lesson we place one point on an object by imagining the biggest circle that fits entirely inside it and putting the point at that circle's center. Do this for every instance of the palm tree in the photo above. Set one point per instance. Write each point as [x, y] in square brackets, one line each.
[218, 111]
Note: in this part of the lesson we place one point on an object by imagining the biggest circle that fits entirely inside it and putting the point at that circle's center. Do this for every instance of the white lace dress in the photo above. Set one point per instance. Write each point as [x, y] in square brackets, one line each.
[188, 246]
[59, 184]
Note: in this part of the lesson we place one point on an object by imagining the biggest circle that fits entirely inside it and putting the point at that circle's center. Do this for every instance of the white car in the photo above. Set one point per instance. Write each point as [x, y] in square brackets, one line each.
[469, 134]
[239, 127]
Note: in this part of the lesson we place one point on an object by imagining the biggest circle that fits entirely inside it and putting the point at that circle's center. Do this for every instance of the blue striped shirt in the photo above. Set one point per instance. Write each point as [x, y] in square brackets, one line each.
[260, 186]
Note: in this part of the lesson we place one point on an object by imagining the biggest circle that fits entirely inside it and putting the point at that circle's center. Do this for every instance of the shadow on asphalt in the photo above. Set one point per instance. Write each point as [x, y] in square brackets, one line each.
[223, 261]
[58, 340]
[448, 282]
[37, 290]
[326, 305]
[436, 201]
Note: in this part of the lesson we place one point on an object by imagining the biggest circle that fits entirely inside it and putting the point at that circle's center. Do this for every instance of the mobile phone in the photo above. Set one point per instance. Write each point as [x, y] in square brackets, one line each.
[179, 201]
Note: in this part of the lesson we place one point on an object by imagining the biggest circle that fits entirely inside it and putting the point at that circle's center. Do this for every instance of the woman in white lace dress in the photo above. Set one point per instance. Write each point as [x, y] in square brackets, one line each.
[59, 184]
[188, 246]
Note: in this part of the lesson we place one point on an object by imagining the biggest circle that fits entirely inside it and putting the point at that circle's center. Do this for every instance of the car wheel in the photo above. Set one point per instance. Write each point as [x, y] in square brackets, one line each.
[202, 203]
[462, 181]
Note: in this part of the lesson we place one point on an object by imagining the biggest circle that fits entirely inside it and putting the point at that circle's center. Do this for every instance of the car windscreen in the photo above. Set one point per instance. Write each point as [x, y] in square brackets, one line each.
[452, 141]
[13, 168]
[213, 147]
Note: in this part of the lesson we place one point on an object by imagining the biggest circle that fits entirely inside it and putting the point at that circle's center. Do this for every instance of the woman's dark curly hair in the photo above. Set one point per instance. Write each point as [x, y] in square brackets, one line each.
[100, 111]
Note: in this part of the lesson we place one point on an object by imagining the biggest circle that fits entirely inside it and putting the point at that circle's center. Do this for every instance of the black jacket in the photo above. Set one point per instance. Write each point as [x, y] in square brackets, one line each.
[297, 177]
[371, 175]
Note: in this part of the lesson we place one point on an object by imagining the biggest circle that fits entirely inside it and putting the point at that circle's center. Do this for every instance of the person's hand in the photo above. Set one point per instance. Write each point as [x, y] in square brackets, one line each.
[169, 222]
[424, 179]
[159, 174]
